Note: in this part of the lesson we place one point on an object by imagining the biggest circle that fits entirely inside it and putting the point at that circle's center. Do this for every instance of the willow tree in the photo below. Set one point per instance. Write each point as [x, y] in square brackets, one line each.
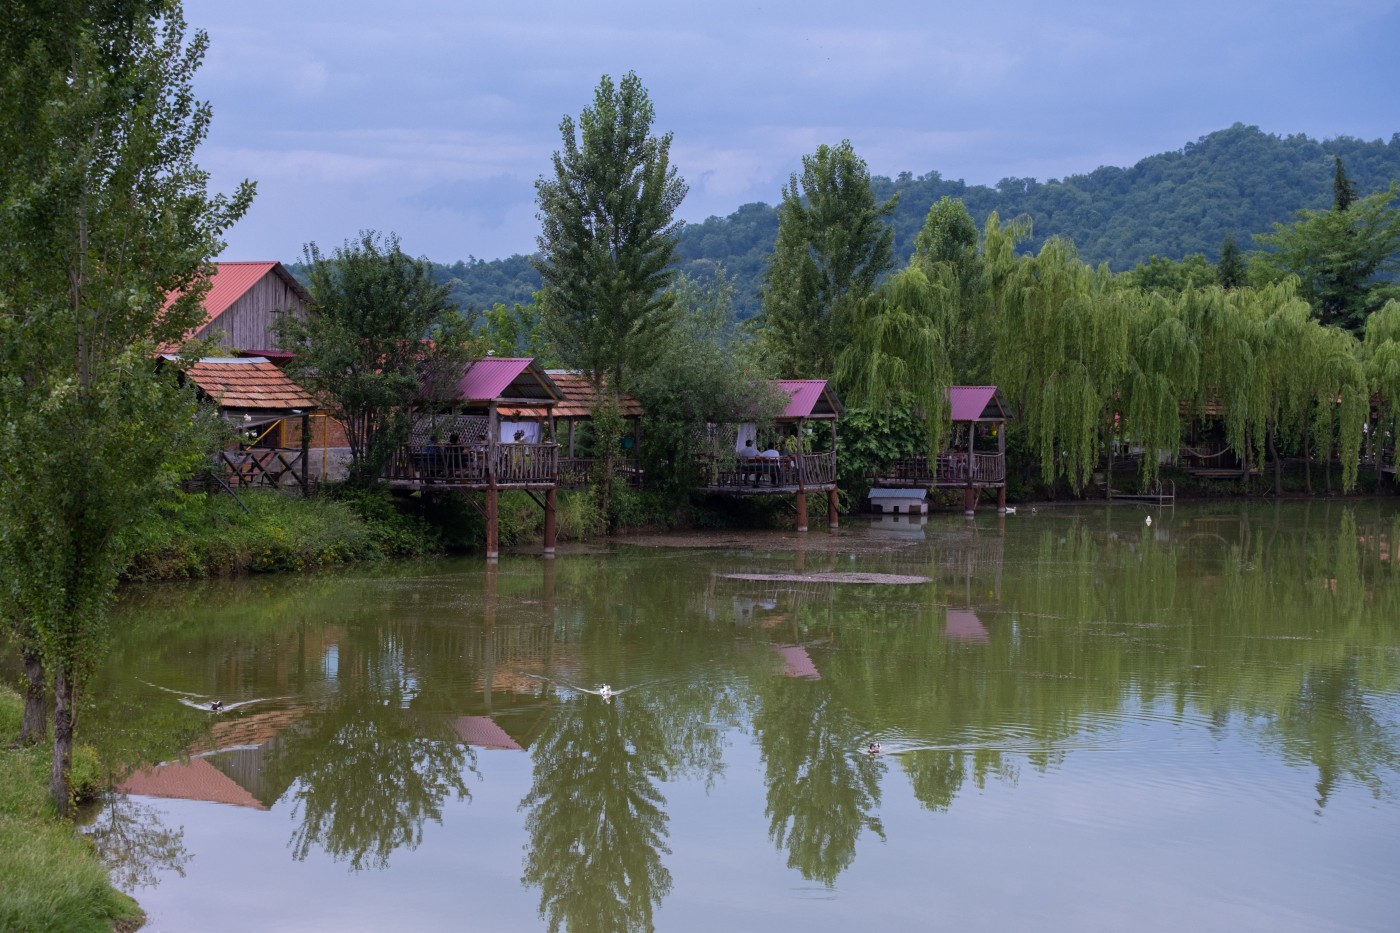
[834, 242]
[1381, 357]
[898, 350]
[1341, 401]
[1163, 368]
[105, 214]
[1061, 350]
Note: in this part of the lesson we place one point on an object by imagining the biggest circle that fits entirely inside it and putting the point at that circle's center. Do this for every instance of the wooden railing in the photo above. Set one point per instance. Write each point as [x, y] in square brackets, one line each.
[791, 471]
[260, 466]
[577, 472]
[475, 464]
[950, 469]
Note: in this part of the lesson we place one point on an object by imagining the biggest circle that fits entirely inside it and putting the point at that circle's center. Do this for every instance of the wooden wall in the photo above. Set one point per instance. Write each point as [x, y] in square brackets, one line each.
[247, 323]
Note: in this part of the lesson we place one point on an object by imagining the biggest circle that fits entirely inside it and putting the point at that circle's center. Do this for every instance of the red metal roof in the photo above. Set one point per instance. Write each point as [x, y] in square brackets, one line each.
[195, 779]
[969, 403]
[807, 394]
[249, 383]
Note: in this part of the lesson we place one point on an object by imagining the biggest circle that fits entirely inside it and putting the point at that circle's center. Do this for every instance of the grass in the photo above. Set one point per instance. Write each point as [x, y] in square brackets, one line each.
[53, 879]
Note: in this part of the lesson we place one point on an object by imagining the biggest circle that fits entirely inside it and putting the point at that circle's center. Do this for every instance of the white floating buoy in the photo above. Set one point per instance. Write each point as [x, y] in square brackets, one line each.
[1149, 521]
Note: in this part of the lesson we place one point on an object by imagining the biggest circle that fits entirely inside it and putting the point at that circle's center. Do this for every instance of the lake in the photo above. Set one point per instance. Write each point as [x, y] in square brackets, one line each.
[1082, 720]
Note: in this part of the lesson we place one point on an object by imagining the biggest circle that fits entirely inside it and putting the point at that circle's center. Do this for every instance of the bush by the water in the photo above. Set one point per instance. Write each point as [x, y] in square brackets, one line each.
[212, 535]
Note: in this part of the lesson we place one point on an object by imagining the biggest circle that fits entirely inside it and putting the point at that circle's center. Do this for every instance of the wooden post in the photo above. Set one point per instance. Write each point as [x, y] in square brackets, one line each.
[493, 536]
[802, 510]
[550, 532]
[969, 500]
[1001, 498]
[833, 502]
[305, 454]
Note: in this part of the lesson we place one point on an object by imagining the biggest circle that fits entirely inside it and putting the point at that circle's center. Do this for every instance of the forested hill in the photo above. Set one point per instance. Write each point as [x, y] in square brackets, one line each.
[1239, 181]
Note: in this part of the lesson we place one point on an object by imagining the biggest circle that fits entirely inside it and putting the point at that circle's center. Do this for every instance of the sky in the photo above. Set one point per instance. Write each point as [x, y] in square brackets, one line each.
[433, 119]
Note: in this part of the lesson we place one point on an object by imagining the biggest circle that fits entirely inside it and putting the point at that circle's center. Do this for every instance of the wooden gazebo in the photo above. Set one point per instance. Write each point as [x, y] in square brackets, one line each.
[740, 466]
[975, 456]
[471, 441]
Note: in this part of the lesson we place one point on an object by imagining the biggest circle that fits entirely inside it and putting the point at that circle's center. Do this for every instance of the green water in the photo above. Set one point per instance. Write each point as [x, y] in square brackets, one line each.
[1084, 721]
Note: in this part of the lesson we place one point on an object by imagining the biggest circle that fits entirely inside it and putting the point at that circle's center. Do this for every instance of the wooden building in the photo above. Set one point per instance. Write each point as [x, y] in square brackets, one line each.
[475, 442]
[974, 458]
[271, 413]
[795, 461]
[575, 409]
[244, 301]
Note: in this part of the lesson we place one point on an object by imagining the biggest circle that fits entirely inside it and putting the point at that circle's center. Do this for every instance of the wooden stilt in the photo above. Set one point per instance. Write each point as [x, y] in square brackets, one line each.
[550, 531]
[493, 531]
[833, 517]
[802, 511]
[1001, 499]
[969, 501]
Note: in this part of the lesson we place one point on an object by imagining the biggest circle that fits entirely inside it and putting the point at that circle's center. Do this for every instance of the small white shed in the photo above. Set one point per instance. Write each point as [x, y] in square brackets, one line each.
[898, 501]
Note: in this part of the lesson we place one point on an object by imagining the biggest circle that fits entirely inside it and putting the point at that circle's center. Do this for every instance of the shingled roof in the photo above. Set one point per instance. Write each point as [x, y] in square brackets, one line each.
[249, 383]
[577, 399]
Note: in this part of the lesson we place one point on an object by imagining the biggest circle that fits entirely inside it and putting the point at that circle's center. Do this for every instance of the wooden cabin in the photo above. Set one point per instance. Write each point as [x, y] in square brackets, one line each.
[742, 462]
[271, 413]
[244, 301]
[975, 456]
[574, 409]
[473, 440]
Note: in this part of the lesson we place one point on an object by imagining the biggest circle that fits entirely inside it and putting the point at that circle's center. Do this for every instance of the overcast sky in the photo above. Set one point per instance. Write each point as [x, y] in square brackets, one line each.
[433, 119]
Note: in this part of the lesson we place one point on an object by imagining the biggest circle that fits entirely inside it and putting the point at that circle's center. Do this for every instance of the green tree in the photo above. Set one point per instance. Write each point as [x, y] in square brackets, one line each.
[608, 232]
[1171, 277]
[834, 243]
[105, 215]
[363, 345]
[1230, 271]
[1344, 258]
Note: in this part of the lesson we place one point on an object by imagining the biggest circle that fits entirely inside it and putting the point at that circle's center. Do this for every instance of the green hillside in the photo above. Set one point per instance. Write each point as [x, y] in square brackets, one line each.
[1238, 180]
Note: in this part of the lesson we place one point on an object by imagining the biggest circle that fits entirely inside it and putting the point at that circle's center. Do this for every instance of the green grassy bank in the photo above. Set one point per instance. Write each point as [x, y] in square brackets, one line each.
[50, 878]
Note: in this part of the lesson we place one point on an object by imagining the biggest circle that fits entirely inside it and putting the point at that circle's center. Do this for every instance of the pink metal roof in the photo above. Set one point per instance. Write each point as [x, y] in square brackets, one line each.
[483, 731]
[797, 662]
[806, 393]
[969, 402]
[487, 379]
[964, 625]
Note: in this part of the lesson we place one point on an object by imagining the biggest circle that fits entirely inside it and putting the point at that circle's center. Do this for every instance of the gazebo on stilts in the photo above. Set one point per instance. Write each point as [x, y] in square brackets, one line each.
[468, 446]
[974, 457]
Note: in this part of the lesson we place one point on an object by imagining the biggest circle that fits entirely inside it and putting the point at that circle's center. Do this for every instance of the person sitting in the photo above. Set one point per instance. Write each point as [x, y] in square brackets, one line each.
[431, 450]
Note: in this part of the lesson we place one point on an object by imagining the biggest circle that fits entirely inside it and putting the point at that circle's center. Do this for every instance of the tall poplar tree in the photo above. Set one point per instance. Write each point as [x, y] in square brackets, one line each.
[103, 214]
[834, 243]
[608, 234]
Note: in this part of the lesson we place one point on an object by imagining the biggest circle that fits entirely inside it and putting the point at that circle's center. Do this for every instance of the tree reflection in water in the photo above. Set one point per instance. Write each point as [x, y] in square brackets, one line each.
[596, 823]
[368, 777]
[134, 844]
[822, 791]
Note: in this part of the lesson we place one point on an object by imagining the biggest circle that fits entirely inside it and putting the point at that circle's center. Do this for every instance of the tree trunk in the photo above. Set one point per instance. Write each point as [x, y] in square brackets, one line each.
[1278, 465]
[35, 724]
[1327, 467]
[64, 714]
[1307, 461]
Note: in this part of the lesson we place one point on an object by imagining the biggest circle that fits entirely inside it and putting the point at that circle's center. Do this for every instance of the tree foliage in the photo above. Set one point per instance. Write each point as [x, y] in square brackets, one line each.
[608, 234]
[376, 331]
[833, 244]
[105, 214]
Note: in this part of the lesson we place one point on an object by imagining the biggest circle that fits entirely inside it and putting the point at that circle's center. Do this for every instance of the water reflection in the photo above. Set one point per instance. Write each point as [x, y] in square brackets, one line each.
[135, 844]
[1039, 639]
